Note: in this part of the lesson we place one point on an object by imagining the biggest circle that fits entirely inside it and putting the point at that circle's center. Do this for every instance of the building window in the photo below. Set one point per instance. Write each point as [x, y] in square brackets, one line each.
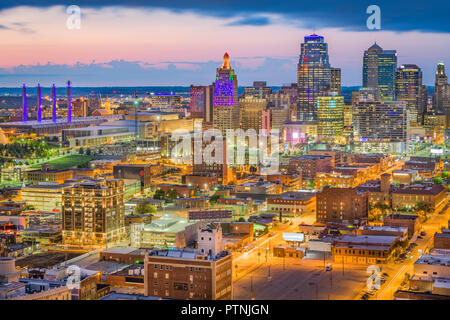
[167, 276]
[155, 275]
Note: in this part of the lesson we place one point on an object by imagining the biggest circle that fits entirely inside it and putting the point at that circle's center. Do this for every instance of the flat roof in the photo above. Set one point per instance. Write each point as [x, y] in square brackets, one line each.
[438, 259]
[168, 223]
[367, 239]
[120, 250]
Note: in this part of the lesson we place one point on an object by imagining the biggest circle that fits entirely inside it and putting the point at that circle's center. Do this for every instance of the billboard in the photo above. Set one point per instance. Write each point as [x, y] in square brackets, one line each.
[296, 237]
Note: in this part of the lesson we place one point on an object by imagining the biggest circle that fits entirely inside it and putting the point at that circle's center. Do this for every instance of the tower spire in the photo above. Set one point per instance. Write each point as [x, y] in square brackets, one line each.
[226, 61]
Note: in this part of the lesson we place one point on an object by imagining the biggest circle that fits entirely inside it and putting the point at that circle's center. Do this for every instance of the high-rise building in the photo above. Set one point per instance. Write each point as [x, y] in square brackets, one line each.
[313, 76]
[226, 103]
[379, 126]
[93, 213]
[441, 98]
[330, 116]
[258, 90]
[379, 68]
[440, 84]
[202, 100]
[408, 88]
[251, 112]
[336, 80]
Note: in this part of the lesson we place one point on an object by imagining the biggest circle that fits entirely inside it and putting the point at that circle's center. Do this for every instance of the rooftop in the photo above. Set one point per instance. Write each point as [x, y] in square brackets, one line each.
[443, 260]
[168, 223]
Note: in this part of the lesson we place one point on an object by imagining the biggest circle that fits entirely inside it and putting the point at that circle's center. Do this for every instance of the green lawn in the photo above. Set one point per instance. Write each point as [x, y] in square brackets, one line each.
[68, 161]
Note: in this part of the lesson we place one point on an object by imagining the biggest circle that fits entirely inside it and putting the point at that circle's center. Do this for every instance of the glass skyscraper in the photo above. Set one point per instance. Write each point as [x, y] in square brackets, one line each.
[379, 68]
[408, 88]
[313, 75]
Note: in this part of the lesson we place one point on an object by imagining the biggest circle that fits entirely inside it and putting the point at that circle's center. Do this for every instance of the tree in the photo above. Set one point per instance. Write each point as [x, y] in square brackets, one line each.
[213, 199]
[172, 194]
[159, 195]
[438, 180]
[81, 151]
[88, 152]
[145, 208]
[241, 219]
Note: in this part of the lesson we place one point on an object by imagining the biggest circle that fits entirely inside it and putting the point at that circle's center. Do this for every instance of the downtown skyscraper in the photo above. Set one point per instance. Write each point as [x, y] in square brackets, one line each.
[313, 76]
[379, 68]
[441, 98]
[226, 103]
[409, 88]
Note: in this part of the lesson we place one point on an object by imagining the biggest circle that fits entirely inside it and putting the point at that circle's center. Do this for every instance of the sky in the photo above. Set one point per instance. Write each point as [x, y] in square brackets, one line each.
[174, 42]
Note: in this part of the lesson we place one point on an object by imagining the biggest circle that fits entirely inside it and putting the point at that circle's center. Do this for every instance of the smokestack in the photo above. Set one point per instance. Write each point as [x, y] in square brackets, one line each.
[39, 103]
[69, 103]
[24, 101]
[54, 103]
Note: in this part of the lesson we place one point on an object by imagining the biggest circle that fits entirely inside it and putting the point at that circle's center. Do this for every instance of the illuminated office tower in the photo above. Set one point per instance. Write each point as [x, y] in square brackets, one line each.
[258, 90]
[379, 68]
[330, 116]
[379, 126]
[336, 80]
[313, 76]
[93, 213]
[251, 109]
[226, 103]
[408, 88]
[441, 98]
[202, 102]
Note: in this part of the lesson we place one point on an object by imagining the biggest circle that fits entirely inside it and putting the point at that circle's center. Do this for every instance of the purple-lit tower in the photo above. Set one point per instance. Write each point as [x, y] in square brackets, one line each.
[69, 103]
[54, 103]
[39, 115]
[24, 101]
[226, 103]
[225, 86]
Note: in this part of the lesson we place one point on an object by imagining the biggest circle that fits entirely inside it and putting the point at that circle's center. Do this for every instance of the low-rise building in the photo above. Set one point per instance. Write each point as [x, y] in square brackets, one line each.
[292, 203]
[341, 205]
[167, 231]
[363, 249]
[409, 221]
[189, 274]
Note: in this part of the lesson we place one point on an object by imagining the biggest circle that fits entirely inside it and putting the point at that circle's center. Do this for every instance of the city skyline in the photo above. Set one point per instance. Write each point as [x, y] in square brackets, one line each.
[102, 52]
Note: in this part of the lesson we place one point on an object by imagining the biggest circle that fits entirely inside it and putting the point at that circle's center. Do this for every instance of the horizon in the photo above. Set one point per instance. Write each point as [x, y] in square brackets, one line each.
[162, 43]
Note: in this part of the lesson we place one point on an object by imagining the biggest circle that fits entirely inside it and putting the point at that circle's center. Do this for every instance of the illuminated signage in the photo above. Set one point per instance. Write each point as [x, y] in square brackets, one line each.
[297, 237]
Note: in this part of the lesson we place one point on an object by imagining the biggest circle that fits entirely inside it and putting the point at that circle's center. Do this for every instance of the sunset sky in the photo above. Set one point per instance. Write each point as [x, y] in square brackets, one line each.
[180, 43]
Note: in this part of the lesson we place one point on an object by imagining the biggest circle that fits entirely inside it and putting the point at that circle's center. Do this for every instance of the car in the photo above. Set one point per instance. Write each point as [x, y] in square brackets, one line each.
[419, 237]
[423, 233]
[365, 296]
[385, 274]
[329, 267]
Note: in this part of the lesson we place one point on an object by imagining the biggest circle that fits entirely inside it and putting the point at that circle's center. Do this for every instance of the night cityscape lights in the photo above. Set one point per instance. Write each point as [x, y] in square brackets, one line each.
[323, 174]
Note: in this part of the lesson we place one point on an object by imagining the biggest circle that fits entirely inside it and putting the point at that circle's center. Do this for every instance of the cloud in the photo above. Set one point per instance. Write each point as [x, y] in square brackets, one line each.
[345, 14]
[134, 73]
[251, 21]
